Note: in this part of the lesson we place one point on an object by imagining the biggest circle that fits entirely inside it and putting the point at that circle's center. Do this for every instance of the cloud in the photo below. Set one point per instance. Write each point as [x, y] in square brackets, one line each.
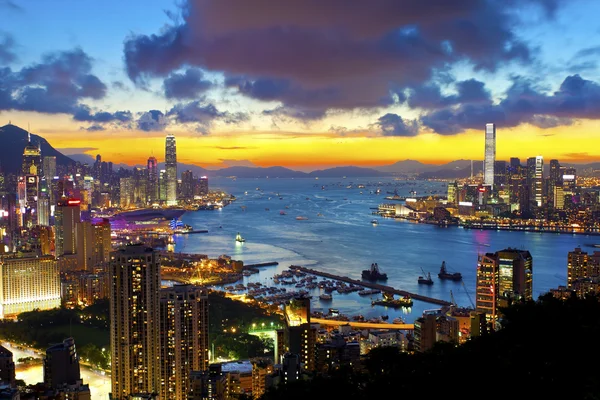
[189, 85]
[153, 120]
[310, 54]
[203, 114]
[93, 128]
[429, 96]
[76, 150]
[84, 113]
[7, 51]
[588, 52]
[395, 125]
[55, 85]
[577, 98]
[234, 147]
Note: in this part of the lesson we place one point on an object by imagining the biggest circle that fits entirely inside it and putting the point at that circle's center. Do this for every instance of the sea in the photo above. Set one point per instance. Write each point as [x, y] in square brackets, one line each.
[336, 235]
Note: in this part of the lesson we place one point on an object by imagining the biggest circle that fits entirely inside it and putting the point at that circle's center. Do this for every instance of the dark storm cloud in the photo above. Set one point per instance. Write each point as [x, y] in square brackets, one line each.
[55, 85]
[84, 113]
[189, 85]
[429, 96]
[395, 125]
[203, 115]
[335, 54]
[523, 103]
[153, 120]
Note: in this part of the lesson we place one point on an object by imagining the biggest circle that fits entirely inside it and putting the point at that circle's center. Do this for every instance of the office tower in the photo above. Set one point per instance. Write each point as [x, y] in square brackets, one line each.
[134, 318]
[202, 186]
[92, 287]
[183, 338]
[569, 180]
[126, 192]
[500, 173]
[490, 154]
[424, 332]
[43, 214]
[7, 367]
[187, 185]
[555, 175]
[539, 180]
[28, 283]
[102, 241]
[503, 277]
[152, 187]
[49, 167]
[98, 167]
[171, 170]
[61, 364]
[577, 266]
[67, 215]
[162, 185]
[93, 244]
[452, 196]
[558, 198]
[300, 335]
[32, 159]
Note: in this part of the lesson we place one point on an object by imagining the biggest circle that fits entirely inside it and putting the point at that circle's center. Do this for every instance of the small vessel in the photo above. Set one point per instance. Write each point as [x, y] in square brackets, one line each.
[266, 209]
[398, 320]
[389, 301]
[282, 213]
[319, 215]
[373, 274]
[374, 222]
[444, 274]
[325, 297]
[239, 238]
[425, 279]
[301, 218]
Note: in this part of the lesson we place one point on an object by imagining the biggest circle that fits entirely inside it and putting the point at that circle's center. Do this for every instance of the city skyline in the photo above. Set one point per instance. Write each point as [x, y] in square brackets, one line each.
[412, 85]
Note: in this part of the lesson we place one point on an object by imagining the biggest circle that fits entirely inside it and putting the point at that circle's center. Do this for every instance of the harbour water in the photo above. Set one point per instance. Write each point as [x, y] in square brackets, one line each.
[337, 236]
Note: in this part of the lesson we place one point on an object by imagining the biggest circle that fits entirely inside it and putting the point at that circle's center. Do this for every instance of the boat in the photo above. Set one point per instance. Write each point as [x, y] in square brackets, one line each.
[325, 297]
[398, 320]
[373, 274]
[239, 238]
[404, 301]
[368, 292]
[282, 213]
[425, 279]
[301, 218]
[374, 221]
[444, 274]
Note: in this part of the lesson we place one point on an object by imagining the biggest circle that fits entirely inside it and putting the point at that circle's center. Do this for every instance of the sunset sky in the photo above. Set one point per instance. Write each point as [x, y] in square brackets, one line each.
[304, 83]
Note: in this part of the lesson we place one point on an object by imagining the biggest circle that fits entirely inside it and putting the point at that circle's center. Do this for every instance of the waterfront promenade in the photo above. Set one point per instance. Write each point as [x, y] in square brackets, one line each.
[383, 288]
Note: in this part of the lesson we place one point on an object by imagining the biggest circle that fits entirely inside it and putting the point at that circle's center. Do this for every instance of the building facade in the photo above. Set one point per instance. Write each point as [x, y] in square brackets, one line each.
[171, 170]
[490, 154]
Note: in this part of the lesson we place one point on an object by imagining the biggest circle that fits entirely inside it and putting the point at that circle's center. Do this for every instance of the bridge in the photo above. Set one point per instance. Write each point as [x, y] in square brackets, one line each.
[363, 325]
[383, 288]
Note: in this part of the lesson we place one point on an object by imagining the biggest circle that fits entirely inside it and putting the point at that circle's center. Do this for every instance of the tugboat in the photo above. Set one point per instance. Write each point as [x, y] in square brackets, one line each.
[444, 274]
[425, 279]
[239, 238]
[373, 274]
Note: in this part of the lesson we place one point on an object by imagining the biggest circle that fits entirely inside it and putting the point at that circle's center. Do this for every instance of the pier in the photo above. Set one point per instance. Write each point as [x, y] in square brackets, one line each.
[383, 288]
[265, 264]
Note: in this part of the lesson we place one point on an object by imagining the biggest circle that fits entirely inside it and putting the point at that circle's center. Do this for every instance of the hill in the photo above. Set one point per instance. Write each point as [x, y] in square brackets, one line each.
[14, 140]
[355, 172]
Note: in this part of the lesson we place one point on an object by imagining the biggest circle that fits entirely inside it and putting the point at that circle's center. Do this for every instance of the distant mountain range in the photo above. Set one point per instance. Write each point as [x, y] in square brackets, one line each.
[14, 140]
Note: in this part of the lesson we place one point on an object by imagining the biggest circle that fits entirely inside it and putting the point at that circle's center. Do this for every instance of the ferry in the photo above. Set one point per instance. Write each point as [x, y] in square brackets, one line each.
[239, 238]
[301, 218]
[374, 222]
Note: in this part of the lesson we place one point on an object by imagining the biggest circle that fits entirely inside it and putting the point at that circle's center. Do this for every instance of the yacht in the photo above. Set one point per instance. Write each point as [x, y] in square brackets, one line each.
[374, 222]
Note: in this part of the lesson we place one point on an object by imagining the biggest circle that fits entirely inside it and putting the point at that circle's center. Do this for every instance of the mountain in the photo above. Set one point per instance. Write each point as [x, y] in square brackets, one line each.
[407, 167]
[338, 172]
[453, 173]
[257, 172]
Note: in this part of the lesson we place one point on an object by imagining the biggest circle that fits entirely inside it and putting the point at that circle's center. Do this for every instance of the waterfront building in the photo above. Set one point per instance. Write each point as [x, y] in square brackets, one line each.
[162, 185]
[500, 173]
[7, 367]
[581, 266]
[535, 179]
[187, 185]
[300, 334]
[452, 193]
[68, 214]
[490, 154]
[502, 278]
[558, 198]
[134, 318]
[28, 283]
[425, 332]
[171, 170]
[201, 186]
[152, 187]
[183, 338]
[126, 192]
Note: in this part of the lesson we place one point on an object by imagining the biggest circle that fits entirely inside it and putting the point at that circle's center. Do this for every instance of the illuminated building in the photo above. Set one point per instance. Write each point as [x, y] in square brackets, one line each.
[453, 193]
[262, 369]
[68, 214]
[152, 188]
[183, 338]
[7, 367]
[32, 159]
[126, 192]
[134, 318]
[187, 185]
[569, 180]
[335, 353]
[490, 154]
[208, 384]
[43, 206]
[28, 283]
[171, 170]
[300, 335]
[535, 179]
[202, 186]
[581, 267]
[93, 243]
[162, 185]
[424, 332]
[558, 198]
[502, 278]
[92, 287]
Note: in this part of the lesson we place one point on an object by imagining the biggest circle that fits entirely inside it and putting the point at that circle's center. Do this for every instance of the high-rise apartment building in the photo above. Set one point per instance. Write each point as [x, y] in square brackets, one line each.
[62, 374]
[171, 169]
[68, 214]
[490, 154]
[134, 317]
[503, 277]
[300, 335]
[152, 188]
[183, 338]
[7, 367]
[93, 244]
[28, 283]
[187, 185]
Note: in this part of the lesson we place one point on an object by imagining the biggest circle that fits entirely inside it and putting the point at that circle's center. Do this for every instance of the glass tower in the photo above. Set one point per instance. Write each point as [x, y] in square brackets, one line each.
[171, 170]
[490, 154]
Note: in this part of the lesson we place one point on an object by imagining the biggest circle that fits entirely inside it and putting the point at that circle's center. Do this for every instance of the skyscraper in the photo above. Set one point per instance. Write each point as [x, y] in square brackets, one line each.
[68, 214]
[490, 154]
[61, 364]
[183, 338]
[134, 318]
[152, 187]
[171, 169]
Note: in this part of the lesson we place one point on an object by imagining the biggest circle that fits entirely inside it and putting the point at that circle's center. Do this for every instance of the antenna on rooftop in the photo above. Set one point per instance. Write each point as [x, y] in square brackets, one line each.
[471, 169]
[28, 133]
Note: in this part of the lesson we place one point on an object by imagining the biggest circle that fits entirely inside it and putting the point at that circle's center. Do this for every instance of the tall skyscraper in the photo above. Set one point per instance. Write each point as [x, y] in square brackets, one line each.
[539, 180]
[28, 283]
[490, 154]
[300, 335]
[32, 160]
[152, 187]
[171, 169]
[134, 318]
[183, 338]
[187, 185]
[68, 214]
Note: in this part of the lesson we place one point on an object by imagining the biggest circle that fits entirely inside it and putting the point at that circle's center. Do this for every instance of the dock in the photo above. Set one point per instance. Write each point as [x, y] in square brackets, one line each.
[383, 288]
[265, 264]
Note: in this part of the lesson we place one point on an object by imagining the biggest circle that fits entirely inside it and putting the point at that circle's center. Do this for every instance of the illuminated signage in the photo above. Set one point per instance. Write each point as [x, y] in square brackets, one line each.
[465, 203]
[3, 214]
[31, 179]
[410, 200]
[481, 189]
[73, 202]
[568, 177]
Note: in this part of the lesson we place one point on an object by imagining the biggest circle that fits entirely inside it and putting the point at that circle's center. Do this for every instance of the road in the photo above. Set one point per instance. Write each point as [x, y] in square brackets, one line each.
[363, 325]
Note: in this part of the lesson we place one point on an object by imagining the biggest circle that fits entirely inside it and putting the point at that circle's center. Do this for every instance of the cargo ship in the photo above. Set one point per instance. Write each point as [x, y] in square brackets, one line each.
[373, 274]
[444, 274]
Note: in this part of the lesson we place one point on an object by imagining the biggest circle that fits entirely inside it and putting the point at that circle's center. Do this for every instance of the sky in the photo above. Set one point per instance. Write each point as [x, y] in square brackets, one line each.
[305, 84]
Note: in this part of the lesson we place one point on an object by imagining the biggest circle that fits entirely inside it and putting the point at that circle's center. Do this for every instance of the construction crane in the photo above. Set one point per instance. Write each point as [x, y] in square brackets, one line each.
[452, 299]
[468, 295]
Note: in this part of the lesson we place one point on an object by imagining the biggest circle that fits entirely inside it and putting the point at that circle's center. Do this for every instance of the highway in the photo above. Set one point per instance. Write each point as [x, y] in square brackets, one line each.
[383, 288]
[363, 325]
